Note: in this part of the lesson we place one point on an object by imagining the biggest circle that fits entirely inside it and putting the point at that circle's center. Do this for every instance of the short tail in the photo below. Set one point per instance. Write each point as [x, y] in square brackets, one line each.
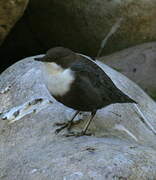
[123, 98]
[127, 99]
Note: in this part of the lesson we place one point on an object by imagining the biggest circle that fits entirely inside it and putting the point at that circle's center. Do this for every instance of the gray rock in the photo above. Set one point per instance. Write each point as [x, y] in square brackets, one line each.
[122, 146]
[137, 63]
[10, 13]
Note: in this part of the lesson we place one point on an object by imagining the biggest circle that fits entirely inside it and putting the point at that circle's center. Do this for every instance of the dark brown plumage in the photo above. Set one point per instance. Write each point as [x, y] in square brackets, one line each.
[91, 89]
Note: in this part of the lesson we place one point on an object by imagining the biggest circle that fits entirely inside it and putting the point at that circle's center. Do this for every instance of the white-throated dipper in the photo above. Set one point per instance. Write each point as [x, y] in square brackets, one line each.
[79, 83]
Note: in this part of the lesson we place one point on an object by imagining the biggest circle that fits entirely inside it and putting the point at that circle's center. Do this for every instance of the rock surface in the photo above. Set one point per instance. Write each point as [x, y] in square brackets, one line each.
[10, 12]
[137, 63]
[122, 148]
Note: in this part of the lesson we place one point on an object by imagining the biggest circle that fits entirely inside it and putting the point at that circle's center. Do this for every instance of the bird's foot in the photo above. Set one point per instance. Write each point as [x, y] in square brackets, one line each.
[78, 134]
[64, 125]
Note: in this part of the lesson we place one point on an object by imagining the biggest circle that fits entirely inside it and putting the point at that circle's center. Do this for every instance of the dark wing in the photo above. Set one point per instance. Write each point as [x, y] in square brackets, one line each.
[93, 77]
[92, 80]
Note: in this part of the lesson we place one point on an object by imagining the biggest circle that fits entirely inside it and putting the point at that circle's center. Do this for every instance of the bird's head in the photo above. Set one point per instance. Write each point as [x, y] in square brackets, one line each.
[59, 55]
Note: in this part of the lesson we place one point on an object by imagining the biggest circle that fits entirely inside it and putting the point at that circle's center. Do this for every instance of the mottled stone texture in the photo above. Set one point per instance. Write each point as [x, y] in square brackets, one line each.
[10, 12]
[122, 147]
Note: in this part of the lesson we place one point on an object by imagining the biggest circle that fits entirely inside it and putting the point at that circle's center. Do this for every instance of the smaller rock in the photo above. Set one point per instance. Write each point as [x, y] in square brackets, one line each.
[10, 13]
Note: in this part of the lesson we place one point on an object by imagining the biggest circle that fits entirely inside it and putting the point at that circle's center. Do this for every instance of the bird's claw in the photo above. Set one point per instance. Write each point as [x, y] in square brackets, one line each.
[67, 125]
[78, 134]
[63, 126]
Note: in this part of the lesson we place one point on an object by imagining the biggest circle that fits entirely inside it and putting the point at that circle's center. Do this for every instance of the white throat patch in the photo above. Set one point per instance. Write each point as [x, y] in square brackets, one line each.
[57, 79]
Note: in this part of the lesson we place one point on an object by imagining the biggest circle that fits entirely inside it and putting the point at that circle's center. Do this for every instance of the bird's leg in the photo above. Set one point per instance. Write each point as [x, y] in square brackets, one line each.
[88, 122]
[66, 124]
[83, 132]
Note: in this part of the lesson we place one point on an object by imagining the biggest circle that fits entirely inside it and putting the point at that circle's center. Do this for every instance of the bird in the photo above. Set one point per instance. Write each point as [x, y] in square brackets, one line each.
[78, 82]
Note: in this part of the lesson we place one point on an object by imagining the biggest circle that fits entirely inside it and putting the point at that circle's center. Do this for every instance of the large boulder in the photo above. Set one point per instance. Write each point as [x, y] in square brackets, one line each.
[122, 145]
[137, 63]
[10, 12]
[81, 25]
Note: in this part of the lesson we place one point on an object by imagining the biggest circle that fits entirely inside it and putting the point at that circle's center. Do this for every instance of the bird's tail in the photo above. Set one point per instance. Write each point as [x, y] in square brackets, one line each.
[125, 99]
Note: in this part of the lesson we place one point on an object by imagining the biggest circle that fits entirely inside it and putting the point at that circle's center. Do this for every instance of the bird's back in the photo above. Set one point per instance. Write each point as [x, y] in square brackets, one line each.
[92, 88]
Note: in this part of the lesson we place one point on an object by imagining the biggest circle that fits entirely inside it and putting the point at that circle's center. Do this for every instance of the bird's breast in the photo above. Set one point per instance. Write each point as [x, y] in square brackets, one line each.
[58, 83]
